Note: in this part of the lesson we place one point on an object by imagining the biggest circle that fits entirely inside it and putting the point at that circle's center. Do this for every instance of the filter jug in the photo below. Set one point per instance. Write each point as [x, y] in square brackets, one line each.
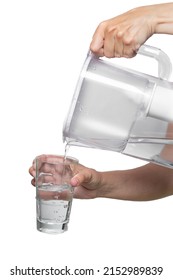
[123, 110]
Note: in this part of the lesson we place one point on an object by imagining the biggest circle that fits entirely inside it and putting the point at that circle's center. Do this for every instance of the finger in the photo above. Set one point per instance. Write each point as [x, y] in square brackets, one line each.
[109, 45]
[97, 49]
[32, 171]
[44, 179]
[119, 45]
[130, 50]
[52, 163]
[33, 182]
[51, 168]
[49, 159]
[97, 42]
[131, 46]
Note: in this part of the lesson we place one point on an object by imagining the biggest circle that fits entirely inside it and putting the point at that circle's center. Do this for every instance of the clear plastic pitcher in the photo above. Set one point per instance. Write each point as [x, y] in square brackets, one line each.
[123, 110]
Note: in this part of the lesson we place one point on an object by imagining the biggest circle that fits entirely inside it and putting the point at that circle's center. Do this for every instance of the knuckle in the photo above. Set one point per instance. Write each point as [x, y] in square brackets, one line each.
[112, 29]
[119, 34]
[103, 24]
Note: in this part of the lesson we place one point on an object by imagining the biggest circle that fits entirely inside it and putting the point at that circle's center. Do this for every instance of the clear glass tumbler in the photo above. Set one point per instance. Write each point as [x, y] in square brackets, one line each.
[54, 193]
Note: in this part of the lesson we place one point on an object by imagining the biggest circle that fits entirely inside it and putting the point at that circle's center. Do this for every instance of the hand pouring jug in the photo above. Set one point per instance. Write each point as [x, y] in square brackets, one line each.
[123, 110]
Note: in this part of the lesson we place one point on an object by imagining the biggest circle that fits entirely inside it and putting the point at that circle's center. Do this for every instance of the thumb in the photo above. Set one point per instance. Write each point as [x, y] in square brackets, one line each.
[82, 175]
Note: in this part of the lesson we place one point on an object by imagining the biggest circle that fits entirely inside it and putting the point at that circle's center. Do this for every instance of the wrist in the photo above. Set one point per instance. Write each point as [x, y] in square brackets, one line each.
[163, 19]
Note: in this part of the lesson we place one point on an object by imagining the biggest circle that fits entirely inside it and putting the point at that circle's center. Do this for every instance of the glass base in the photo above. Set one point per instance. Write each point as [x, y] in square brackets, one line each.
[52, 228]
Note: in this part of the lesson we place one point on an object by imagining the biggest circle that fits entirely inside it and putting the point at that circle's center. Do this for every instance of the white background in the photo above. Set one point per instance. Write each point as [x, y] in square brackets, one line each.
[43, 46]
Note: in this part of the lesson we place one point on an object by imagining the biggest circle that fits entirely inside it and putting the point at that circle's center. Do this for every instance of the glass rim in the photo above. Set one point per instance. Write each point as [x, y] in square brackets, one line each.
[51, 159]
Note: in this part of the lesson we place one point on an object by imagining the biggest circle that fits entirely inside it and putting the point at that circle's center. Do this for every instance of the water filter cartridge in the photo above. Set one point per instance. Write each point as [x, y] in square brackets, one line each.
[161, 106]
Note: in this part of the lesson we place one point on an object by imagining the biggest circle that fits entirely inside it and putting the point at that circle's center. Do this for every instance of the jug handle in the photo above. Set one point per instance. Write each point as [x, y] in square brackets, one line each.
[164, 63]
[162, 100]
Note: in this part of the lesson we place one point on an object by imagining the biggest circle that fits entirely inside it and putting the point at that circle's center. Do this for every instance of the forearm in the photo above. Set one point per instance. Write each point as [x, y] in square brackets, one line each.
[163, 18]
[148, 182]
